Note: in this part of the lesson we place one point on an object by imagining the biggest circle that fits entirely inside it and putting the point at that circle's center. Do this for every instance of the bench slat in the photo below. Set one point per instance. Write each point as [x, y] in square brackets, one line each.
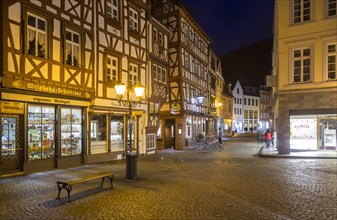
[67, 185]
[88, 178]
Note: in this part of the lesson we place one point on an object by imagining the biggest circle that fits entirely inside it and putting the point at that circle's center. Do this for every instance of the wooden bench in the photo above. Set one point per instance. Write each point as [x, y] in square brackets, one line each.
[67, 185]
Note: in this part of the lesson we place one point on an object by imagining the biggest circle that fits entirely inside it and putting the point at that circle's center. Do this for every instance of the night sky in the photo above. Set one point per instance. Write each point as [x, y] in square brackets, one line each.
[233, 24]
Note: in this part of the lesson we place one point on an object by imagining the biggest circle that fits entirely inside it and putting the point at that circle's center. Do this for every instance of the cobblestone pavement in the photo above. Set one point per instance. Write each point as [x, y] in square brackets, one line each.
[224, 182]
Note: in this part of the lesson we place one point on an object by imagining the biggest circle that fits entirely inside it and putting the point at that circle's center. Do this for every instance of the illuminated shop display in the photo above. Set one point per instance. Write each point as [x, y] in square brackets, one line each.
[98, 133]
[71, 131]
[116, 133]
[313, 132]
[41, 132]
[8, 135]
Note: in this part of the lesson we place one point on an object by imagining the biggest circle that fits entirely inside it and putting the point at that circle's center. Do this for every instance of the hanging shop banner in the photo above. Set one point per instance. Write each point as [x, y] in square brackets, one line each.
[330, 137]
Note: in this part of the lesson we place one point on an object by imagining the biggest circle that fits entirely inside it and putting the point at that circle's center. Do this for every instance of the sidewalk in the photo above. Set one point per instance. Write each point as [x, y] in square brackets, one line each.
[272, 152]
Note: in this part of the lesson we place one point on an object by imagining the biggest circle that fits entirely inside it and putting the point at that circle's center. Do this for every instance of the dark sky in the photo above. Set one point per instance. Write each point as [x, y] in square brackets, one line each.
[233, 24]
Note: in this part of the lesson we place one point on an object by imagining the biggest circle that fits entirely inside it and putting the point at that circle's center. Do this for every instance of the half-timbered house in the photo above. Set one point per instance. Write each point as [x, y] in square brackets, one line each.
[121, 47]
[157, 83]
[186, 113]
[47, 82]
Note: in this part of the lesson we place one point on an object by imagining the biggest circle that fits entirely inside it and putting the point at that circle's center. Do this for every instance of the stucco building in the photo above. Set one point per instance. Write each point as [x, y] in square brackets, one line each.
[304, 75]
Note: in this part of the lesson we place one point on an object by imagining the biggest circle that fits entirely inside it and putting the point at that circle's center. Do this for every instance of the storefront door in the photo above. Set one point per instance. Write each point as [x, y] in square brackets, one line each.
[11, 151]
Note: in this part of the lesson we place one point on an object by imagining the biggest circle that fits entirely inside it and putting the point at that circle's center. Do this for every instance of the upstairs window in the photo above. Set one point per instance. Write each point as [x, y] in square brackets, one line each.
[159, 73]
[332, 8]
[111, 68]
[133, 20]
[73, 48]
[37, 43]
[133, 74]
[112, 9]
[302, 65]
[302, 11]
[331, 58]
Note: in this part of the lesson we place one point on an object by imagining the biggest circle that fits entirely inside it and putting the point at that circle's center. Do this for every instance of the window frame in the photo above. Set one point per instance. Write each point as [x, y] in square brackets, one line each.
[133, 77]
[151, 140]
[112, 67]
[301, 11]
[133, 20]
[80, 45]
[327, 54]
[301, 58]
[115, 19]
[37, 31]
[330, 3]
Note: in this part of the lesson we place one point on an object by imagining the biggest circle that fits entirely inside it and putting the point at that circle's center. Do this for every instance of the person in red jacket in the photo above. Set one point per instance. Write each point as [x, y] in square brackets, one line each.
[267, 136]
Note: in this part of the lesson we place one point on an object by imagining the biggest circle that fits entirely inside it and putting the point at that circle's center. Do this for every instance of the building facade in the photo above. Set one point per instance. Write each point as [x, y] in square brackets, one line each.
[304, 75]
[61, 61]
[265, 109]
[185, 117]
[238, 107]
[251, 110]
[47, 83]
[225, 108]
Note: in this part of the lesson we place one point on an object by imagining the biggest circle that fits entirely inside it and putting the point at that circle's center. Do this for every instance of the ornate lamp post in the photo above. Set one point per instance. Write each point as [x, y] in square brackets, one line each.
[131, 153]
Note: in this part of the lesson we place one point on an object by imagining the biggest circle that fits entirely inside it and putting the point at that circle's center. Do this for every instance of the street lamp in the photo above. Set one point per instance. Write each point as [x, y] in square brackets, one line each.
[131, 153]
[200, 99]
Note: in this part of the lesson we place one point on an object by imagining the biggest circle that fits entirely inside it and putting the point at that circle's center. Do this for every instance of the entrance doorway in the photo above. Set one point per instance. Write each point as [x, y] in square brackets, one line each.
[169, 133]
[11, 151]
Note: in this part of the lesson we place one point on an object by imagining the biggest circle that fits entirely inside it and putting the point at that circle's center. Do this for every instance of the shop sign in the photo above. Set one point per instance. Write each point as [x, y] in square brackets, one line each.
[40, 99]
[12, 107]
[175, 108]
[330, 137]
[42, 87]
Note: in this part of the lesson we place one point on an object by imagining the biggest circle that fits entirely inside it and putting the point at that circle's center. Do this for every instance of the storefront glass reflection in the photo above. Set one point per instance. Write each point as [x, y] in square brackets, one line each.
[313, 132]
[116, 133]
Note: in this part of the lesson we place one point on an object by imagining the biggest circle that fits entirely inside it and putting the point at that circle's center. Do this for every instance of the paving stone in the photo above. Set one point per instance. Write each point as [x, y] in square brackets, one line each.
[213, 183]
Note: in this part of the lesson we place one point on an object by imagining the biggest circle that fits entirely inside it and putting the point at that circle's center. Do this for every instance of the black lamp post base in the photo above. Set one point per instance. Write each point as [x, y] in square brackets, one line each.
[131, 166]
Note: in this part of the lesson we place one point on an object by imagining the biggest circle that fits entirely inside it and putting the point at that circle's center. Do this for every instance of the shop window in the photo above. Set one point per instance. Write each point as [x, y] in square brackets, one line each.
[117, 133]
[37, 28]
[41, 132]
[71, 131]
[150, 142]
[303, 132]
[327, 132]
[98, 133]
[8, 136]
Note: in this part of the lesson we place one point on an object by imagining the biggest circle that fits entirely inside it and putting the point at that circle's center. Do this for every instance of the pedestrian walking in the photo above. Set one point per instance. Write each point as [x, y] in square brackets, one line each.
[267, 136]
[220, 137]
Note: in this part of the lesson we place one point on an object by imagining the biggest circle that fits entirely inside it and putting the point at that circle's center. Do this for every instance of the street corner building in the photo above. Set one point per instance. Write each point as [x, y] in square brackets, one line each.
[304, 77]
[64, 61]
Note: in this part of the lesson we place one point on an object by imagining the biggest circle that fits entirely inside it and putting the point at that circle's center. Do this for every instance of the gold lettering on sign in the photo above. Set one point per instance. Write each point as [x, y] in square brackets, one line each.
[52, 89]
[12, 107]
